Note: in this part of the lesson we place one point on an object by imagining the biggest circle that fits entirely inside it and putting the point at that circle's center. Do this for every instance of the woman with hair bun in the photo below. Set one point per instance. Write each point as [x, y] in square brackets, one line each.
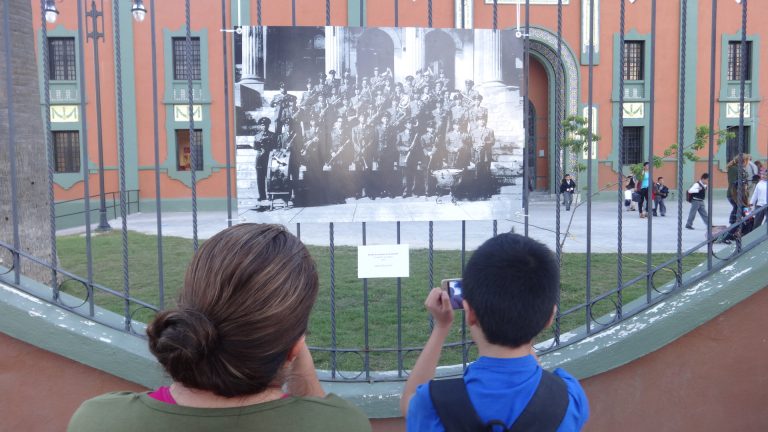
[234, 347]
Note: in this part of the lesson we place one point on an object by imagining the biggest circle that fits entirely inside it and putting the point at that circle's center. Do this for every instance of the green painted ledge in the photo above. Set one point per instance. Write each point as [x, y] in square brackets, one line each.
[24, 316]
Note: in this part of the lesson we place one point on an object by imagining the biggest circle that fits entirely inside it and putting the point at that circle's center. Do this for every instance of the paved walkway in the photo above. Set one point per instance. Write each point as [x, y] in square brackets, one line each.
[414, 214]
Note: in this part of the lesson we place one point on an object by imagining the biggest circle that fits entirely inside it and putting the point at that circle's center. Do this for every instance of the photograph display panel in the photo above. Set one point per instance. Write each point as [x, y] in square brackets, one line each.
[330, 120]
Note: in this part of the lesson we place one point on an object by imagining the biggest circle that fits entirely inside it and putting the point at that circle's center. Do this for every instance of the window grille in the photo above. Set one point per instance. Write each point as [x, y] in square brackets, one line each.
[633, 60]
[61, 52]
[633, 145]
[180, 58]
[735, 59]
[66, 151]
[183, 154]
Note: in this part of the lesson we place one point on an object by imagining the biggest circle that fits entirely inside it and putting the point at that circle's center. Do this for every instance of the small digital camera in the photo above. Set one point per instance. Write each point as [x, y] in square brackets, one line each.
[455, 292]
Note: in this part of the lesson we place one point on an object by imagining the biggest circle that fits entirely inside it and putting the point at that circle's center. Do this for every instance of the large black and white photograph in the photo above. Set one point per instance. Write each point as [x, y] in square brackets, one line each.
[335, 118]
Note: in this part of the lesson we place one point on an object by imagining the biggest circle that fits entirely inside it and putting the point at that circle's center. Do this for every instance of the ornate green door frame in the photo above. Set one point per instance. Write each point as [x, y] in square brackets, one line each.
[544, 49]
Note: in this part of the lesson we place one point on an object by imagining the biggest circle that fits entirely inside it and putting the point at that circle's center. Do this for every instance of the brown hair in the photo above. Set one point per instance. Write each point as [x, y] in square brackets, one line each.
[745, 157]
[246, 300]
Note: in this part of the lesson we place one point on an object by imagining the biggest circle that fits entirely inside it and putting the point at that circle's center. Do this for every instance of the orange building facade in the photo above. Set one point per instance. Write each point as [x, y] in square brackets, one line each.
[75, 132]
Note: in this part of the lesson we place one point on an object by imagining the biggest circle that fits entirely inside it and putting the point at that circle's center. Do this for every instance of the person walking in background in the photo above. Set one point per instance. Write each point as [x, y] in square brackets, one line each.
[629, 188]
[643, 188]
[738, 180]
[697, 193]
[760, 198]
[567, 188]
[660, 193]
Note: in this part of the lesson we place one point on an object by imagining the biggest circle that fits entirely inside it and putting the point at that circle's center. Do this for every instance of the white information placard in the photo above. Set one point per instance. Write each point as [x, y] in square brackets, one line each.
[383, 261]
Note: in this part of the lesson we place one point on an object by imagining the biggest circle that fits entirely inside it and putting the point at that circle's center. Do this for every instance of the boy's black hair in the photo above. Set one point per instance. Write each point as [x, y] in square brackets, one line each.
[705, 176]
[659, 178]
[512, 283]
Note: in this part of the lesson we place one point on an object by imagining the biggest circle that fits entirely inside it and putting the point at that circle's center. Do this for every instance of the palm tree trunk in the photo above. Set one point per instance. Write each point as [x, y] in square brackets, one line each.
[32, 201]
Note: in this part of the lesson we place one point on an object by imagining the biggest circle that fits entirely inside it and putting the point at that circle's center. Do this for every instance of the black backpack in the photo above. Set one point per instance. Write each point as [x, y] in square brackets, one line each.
[544, 412]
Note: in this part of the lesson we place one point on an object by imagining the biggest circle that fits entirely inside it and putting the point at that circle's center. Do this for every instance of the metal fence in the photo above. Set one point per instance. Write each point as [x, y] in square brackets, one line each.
[358, 357]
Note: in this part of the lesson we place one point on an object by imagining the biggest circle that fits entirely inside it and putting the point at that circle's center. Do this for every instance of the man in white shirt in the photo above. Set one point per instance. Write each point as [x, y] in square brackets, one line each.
[698, 192]
[760, 197]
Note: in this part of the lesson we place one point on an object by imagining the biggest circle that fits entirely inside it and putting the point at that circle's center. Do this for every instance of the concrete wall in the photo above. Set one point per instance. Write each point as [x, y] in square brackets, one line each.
[714, 378]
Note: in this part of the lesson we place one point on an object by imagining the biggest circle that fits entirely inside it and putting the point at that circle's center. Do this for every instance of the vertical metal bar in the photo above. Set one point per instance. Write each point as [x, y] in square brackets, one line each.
[84, 160]
[495, 227]
[366, 342]
[293, 13]
[559, 82]
[12, 141]
[333, 301]
[681, 142]
[49, 148]
[362, 12]
[620, 185]
[431, 266]
[495, 14]
[742, 90]
[156, 137]
[590, 91]
[711, 155]
[397, 13]
[463, 14]
[190, 111]
[258, 13]
[227, 137]
[526, 112]
[298, 230]
[114, 205]
[121, 161]
[399, 317]
[429, 13]
[651, 124]
[12, 138]
[464, 359]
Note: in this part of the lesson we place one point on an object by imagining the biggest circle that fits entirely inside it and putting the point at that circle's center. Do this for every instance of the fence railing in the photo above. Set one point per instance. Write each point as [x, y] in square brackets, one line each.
[133, 200]
[371, 334]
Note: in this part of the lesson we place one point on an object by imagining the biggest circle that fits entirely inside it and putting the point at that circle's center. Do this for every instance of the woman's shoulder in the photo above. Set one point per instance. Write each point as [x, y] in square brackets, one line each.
[334, 411]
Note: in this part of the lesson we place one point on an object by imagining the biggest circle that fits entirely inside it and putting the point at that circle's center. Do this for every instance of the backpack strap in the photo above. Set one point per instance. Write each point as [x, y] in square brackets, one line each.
[547, 407]
[453, 406]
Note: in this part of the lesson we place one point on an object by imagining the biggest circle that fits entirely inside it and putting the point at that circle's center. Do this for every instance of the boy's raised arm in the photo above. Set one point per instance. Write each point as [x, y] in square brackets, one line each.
[439, 305]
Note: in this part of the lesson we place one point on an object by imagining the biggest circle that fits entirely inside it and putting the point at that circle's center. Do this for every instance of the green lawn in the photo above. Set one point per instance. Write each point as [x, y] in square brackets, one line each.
[349, 299]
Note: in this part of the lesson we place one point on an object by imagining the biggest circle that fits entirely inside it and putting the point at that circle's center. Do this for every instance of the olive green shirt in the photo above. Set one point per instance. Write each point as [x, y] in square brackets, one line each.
[126, 411]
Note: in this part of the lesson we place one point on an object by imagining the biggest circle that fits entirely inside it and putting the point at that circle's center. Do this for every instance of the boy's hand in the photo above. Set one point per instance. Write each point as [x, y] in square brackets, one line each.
[439, 305]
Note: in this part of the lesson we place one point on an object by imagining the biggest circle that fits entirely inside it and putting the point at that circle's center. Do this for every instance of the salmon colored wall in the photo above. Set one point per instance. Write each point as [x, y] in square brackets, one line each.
[711, 379]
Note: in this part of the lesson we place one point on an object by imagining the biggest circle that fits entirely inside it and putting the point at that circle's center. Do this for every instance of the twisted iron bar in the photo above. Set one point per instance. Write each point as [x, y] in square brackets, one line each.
[258, 12]
[156, 137]
[710, 159]
[590, 92]
[121, 161]
[620, 213]
[49, 148]
[227, 137]
[332, 247]
[12, 137]
[495, 14]
[742, 91]
[559, 82]
[681, 141]
[429, 13]
[190, 109]
[84, 160]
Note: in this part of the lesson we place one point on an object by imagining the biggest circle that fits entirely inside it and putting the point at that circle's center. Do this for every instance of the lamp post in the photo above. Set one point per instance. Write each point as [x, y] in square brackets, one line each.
[92, 32]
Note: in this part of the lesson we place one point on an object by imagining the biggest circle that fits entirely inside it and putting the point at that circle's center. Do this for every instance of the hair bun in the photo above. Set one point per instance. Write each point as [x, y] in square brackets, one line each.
[181, 338]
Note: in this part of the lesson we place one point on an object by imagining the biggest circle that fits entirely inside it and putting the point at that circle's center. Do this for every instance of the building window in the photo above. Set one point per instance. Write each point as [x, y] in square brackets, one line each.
[634, 54]
[180, 70]
[66, 151]
[61, 59]
[736, 60]
[733, 144]
[633, 145]
[183, 152]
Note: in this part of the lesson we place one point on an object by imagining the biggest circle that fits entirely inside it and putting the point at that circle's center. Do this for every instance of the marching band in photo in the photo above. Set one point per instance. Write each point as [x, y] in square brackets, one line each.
[329, 115]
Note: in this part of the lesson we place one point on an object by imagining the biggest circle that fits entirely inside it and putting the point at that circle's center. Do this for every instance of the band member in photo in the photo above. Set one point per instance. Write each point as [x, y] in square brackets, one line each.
[339, 162]
[483, 140]
[432, 159]
[476, 112]
[386, 159]
[289, 147]
[313, 160]
[363, 145]
[264, 143]
[469, 92]
[455, 141]
[411, 157]
[285, 104]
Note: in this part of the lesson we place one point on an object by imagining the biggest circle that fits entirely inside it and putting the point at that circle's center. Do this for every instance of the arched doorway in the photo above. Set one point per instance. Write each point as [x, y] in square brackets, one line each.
[537, 127]
[374, 49]
[441, 55]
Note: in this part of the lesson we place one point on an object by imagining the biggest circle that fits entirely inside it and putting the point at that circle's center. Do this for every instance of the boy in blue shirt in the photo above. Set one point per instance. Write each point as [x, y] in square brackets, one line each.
[510, 293]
